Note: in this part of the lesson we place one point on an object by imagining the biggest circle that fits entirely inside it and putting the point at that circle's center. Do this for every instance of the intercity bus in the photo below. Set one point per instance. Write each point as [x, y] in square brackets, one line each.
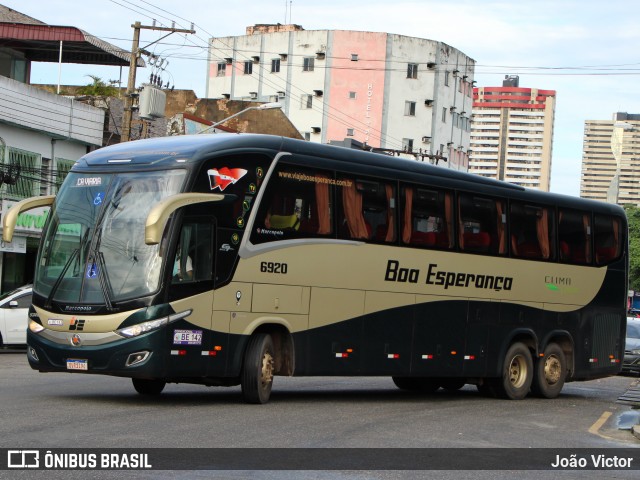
[230, 259]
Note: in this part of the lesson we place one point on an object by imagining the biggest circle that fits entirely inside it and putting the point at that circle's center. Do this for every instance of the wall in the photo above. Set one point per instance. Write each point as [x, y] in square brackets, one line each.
[365, 77]
[31, 107]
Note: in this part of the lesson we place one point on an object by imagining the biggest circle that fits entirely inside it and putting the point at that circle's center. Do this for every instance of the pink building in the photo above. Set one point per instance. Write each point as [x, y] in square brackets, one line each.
[385, 90]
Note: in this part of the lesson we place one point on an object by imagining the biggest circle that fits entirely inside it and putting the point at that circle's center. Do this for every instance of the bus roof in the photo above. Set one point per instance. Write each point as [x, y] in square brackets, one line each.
[164, 152]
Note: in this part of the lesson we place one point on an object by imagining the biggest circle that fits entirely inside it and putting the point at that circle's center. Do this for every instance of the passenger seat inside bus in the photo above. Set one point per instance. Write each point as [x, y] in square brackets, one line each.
[477, 242]
[284, 222]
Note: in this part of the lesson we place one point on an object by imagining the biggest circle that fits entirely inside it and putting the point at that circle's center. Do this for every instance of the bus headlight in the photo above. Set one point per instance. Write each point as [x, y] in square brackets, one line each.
[151, 325]
[35, 327]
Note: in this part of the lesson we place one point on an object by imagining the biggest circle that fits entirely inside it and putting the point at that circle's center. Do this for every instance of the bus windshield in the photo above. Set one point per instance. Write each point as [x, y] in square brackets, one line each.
[93, 249]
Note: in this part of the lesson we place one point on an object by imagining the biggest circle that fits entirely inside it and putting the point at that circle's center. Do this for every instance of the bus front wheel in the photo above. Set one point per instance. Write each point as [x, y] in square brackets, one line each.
[148, 387]
[550, 372]
[257, 372]
[517, 373]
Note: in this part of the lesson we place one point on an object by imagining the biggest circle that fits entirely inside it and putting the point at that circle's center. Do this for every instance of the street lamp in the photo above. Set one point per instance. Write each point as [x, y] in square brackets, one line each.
[264, 106]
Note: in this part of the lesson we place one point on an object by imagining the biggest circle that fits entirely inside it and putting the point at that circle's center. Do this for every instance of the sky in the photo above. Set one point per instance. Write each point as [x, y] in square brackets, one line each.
[586, 50]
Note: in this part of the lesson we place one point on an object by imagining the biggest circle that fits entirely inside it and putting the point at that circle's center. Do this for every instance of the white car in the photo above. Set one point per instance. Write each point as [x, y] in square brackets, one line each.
[14, 316]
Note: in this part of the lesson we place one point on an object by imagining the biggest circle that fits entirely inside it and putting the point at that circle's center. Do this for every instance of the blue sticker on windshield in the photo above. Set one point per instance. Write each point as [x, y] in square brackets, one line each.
[98, 200]
[92, 271]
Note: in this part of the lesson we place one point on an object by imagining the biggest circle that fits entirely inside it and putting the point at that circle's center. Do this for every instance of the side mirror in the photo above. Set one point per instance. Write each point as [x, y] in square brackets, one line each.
[13, 304]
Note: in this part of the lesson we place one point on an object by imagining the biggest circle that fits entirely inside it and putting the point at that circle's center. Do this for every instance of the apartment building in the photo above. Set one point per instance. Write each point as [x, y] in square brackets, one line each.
[512, 134]
[610, 154]
[383, 90]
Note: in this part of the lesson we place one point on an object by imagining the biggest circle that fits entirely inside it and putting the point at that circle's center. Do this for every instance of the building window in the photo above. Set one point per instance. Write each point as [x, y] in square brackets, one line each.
[410, 109]
[248, 68]
[407, 144]
[222, 69]
[308, 64]
[412, 70]
[446, 78]
[307, 136]
[354, 57]
[352, 95]
[62, 167]
[350, 132]
[306, 101]
[28, 184]
[444, 114]
[275, 65]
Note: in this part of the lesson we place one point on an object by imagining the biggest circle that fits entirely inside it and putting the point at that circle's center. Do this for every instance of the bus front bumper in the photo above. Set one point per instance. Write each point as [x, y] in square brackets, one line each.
[139, 357]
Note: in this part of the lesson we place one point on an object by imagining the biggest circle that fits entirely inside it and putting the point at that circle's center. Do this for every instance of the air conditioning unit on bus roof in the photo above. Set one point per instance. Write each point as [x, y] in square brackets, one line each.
[152, 102]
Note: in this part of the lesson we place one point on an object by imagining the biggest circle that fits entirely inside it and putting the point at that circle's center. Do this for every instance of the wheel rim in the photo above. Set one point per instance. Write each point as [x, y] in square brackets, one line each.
[518, 371]
[266, 373]
[552, 369]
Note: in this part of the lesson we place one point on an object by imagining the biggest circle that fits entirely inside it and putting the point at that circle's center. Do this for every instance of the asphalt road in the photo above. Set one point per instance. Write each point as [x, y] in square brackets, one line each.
[85, 411]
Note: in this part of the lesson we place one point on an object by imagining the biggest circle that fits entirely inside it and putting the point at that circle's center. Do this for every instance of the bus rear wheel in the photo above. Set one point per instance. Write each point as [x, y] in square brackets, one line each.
[145, 386]
[413, 384]
[258, 368]
[517, 373]
[550, 372]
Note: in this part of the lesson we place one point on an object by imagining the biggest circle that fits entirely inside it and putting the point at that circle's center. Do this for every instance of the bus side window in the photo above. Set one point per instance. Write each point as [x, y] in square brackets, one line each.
[481, 224]
[368, 210]
[426, 217]
[193, 261]
[574, 235]
[296, 204]
[607, 238]
[531, 229]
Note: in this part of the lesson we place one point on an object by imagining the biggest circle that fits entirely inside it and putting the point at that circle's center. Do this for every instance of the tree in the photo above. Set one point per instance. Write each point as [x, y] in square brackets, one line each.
[98, 89]
[633, 216]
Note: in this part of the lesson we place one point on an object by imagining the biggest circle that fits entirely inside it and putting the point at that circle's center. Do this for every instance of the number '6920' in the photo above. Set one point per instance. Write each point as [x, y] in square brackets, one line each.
[273, 267]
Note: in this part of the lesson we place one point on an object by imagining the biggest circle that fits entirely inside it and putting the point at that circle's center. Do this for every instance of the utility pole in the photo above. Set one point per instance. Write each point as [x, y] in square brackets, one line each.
[136, 51]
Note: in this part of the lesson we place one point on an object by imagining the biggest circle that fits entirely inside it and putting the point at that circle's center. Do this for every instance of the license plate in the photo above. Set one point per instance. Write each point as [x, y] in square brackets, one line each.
[77, 364]
[187, 337]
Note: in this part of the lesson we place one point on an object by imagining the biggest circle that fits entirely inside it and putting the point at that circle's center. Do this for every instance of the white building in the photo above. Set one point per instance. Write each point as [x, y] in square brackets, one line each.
[610, 166]
[388, 91]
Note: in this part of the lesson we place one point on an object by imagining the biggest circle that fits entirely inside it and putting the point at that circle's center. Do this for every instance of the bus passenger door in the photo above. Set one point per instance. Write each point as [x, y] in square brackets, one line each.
[191, 288]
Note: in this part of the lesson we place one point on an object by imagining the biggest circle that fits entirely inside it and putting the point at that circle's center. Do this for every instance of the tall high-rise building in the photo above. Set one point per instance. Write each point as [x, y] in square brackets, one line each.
[512, 133]
[388, 91]
[610, 159]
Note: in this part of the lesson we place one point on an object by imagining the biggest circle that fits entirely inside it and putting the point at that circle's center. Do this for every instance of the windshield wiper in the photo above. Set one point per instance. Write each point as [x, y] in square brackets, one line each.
[98, 262]
[72, 257]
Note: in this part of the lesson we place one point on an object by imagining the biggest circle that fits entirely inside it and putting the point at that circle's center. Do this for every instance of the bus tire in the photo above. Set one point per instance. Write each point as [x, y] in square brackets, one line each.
[145, 386]
[517, 373]
[257, 371]
[550, 372]
[414, 384]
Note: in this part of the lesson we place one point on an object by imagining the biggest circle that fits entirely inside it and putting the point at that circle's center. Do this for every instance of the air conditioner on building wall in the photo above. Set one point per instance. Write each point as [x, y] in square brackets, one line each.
[152, 102]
